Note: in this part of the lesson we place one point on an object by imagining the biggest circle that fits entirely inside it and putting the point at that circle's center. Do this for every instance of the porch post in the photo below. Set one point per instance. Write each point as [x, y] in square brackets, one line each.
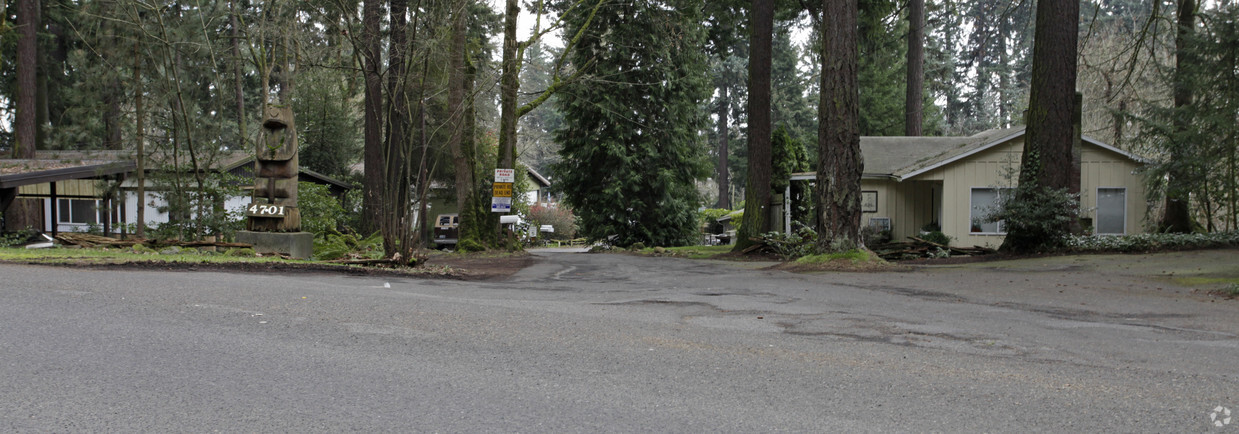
[55, 211]
[787, 208]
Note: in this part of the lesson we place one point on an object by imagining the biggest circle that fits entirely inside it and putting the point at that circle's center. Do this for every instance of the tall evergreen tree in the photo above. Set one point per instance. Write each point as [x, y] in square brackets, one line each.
[839, 162]
[631, 143]
[757, 192]
[1177, 216]
[1048, 162]
[25, 127]
[913, 116]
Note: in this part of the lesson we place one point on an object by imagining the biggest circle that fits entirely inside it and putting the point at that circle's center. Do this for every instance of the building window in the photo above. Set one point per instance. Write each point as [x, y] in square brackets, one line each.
[984, 203]
[881, 223]
[78, 211]
[1111, 211]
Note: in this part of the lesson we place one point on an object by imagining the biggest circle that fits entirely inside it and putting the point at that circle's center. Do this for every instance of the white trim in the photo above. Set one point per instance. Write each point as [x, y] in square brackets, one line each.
[1101, 145]
[961, 156]
[1097, 212]
[67, 211]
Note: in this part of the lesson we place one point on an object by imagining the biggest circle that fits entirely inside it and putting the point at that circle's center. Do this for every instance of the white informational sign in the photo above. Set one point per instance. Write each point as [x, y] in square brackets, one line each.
[505, 175]
[500, 204]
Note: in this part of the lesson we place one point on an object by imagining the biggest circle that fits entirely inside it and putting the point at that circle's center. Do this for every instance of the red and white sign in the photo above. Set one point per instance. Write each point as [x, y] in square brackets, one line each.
[505, 175]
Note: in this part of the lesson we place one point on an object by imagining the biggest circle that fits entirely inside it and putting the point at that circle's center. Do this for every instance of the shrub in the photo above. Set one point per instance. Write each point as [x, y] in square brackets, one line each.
[1036, 219]
[1149, 242]
[320, 211]
[875, 235]
[561, 218]
[469, 245]
[336, 245]
[937, 237]
[16, 238]
[795, 245]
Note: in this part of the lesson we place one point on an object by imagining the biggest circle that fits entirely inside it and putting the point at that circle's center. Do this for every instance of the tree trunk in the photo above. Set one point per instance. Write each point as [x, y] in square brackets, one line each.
[1048, 157]
[139, 114]
[724, 138]
[1177, 217]
[913, 115]
[238, 77]
[456, 106]
[509, 85]
[373, 182]
[839, 162]
[757, 190]
[114, 92]
[396, 222]
[26, 125]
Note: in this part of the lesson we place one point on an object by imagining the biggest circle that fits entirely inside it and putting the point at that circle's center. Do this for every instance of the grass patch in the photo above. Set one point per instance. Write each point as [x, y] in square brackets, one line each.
[690, 252]
[122, 256]
[1206, 281]
[855, 256]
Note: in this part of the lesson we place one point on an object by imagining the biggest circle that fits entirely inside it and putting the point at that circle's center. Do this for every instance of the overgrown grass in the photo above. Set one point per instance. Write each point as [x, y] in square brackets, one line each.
[1203, 281]
[121, 256]
[856, 256]
[690, 252]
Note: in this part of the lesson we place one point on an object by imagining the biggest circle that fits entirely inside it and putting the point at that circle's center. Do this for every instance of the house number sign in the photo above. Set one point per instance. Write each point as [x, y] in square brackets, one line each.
[265, 210]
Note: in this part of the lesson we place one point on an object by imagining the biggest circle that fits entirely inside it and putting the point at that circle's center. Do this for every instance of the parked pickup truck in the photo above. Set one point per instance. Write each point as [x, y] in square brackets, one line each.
[447, 230]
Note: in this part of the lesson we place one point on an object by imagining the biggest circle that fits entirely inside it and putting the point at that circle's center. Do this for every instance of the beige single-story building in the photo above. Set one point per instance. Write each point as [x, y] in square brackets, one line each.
[912, 182]
[74, 191]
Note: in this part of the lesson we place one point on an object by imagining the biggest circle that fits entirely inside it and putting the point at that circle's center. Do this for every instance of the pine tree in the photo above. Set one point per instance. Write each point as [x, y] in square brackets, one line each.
[1048, 163]
[839, 162]
[757, 191]
[631, 143]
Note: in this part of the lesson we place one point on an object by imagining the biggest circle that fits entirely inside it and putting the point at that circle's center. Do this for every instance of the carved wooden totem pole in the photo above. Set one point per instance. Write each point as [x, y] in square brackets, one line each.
[274, 206]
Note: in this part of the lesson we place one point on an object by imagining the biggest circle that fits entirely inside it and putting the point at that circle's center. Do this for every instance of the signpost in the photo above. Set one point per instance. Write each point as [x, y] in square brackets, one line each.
[501, 196]
[505, 175]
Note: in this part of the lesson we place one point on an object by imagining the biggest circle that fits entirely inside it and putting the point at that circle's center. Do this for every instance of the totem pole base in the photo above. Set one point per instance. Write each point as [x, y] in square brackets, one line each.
[298, 245]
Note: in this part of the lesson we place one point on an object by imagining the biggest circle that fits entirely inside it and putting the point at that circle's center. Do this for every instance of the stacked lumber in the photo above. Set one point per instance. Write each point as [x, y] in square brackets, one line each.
[90, 240]
[919, 248]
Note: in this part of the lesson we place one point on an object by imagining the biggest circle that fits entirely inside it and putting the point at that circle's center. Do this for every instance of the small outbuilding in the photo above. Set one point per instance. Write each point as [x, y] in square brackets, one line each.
[952, 183]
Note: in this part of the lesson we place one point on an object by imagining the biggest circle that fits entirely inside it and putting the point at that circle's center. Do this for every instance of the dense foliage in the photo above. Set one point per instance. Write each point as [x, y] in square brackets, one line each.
[631, 148]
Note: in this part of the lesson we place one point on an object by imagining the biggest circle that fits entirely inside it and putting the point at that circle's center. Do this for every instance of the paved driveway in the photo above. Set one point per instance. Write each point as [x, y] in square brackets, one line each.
[615, 343]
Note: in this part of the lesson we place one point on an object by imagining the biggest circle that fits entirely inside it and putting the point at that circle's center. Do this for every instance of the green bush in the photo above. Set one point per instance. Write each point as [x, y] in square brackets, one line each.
[469, 245]
[320, 211]
[798, 244]
[560, 218]
[336, 245]
[937, 237]
[16, 238]
[1149, 242]
[874, 235]
[1036, 219]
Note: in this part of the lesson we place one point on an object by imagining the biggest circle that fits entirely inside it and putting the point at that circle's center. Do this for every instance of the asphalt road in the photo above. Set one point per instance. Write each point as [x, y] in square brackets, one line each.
[609, 343]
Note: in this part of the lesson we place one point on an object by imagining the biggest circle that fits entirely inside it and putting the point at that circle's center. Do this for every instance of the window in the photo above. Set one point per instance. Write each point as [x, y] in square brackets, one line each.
[78, 211]
[984, 203]
[1111, 211]
[881, 223]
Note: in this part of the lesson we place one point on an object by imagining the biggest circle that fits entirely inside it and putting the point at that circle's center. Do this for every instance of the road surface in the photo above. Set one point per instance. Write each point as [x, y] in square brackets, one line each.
[617, 343]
